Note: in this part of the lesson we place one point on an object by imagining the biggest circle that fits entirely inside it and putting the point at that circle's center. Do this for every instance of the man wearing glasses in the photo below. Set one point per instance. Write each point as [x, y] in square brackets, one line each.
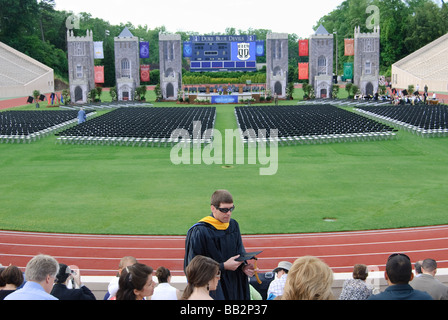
[218, 236]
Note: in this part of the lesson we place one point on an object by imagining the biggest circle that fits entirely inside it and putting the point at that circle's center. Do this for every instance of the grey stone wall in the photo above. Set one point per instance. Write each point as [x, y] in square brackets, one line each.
[367, 61]
[80, 55]
[277, 63]
[126, 46]
[321, 50]
[170, 59]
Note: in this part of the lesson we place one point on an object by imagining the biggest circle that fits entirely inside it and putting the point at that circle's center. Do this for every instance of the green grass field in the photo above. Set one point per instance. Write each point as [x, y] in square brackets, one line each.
[45, 186]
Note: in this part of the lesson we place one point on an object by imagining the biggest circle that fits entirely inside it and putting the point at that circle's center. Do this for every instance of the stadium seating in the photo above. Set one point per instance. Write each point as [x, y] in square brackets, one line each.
[309, 124]
[423, 120]
[134, 126]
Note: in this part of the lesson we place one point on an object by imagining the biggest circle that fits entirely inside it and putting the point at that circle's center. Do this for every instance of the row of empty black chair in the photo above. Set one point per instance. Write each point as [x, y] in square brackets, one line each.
[108, 105]
[306, 124]
[28, 126]
[144, 126]
[424, 120]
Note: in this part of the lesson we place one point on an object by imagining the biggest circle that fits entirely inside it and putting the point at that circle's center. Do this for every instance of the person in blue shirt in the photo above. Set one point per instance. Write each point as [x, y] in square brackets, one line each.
[40, 274]
[81, 116]
[398, 275]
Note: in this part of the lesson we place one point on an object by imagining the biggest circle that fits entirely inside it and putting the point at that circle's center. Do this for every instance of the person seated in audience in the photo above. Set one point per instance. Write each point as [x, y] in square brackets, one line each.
[2, 283]
[398, 274]
[40, 273]
[418, 268]
[203, 275]
[164, 290]
[428, 283]
[357, 288]
[308, 279]
[11, 278]
[135, 283]
[62, 292]
[277, 286]
[113, 285]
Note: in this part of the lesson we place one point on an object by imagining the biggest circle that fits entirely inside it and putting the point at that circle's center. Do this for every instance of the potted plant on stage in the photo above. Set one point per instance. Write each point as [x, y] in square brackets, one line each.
[113, 93]
[65, 96]
[36, 95]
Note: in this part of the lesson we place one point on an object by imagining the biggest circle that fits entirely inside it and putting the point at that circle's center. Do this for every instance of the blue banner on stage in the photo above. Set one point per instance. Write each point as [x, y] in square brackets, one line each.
[225, 99]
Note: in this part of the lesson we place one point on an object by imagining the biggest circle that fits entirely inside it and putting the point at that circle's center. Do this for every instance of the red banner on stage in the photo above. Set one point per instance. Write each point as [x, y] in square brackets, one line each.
[349, 47]
[303, 48]
[144, 73]
[303, 71]
[99, 74]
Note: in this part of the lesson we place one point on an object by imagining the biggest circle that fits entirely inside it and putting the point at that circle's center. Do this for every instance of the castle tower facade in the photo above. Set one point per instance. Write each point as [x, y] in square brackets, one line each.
[367, 61]
[321, 62]
[80, 65]
[277, 63]
[127, 64]
[170, 58]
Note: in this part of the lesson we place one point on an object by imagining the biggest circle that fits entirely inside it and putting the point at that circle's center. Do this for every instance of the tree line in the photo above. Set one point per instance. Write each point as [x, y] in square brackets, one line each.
[37, 29]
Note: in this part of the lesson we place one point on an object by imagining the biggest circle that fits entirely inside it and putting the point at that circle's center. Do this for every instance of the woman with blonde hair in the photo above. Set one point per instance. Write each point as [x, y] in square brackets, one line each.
[309, 279]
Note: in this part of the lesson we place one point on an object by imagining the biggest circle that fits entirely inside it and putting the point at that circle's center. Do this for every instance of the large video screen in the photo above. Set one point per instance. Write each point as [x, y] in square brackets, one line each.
[223, 53]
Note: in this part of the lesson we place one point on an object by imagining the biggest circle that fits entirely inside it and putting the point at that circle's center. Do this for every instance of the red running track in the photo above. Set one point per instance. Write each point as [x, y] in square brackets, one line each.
[98, 255]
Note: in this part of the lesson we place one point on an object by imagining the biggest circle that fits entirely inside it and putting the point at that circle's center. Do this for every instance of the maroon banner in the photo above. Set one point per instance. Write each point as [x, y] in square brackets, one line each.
[303, 71]
[99, 74]
[349, 47]
[144, 73]
[303, 48]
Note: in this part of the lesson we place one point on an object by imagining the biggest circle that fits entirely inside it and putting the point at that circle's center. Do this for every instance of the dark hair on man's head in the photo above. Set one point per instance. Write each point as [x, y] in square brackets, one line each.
[399, 269]
[221, 196]
[429, 265]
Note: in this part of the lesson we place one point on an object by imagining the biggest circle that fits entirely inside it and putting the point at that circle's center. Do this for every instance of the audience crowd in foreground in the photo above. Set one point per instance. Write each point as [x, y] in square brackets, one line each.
[307, 278]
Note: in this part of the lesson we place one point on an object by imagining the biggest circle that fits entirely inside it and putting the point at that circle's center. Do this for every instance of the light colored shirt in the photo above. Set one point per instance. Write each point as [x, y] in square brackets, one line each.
[164, 291]
[30, 291]
[276, 286]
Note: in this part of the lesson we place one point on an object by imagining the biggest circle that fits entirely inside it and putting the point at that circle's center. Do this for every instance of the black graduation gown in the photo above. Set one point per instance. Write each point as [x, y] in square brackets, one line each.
[220, 245]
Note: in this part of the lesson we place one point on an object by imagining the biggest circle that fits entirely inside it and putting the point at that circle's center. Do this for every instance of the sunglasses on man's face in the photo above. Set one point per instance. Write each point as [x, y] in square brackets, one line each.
[225, 210]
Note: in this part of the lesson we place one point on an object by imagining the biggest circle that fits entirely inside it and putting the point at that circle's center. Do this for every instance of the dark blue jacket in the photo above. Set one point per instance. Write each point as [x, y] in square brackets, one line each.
[400, 292]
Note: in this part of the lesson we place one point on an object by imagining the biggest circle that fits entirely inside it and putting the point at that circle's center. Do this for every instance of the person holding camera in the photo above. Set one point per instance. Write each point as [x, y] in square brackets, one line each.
[62, 292]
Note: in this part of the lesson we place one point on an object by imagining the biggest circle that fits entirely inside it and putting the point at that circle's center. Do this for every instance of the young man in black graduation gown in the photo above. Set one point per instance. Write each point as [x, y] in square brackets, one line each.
[218, 236]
